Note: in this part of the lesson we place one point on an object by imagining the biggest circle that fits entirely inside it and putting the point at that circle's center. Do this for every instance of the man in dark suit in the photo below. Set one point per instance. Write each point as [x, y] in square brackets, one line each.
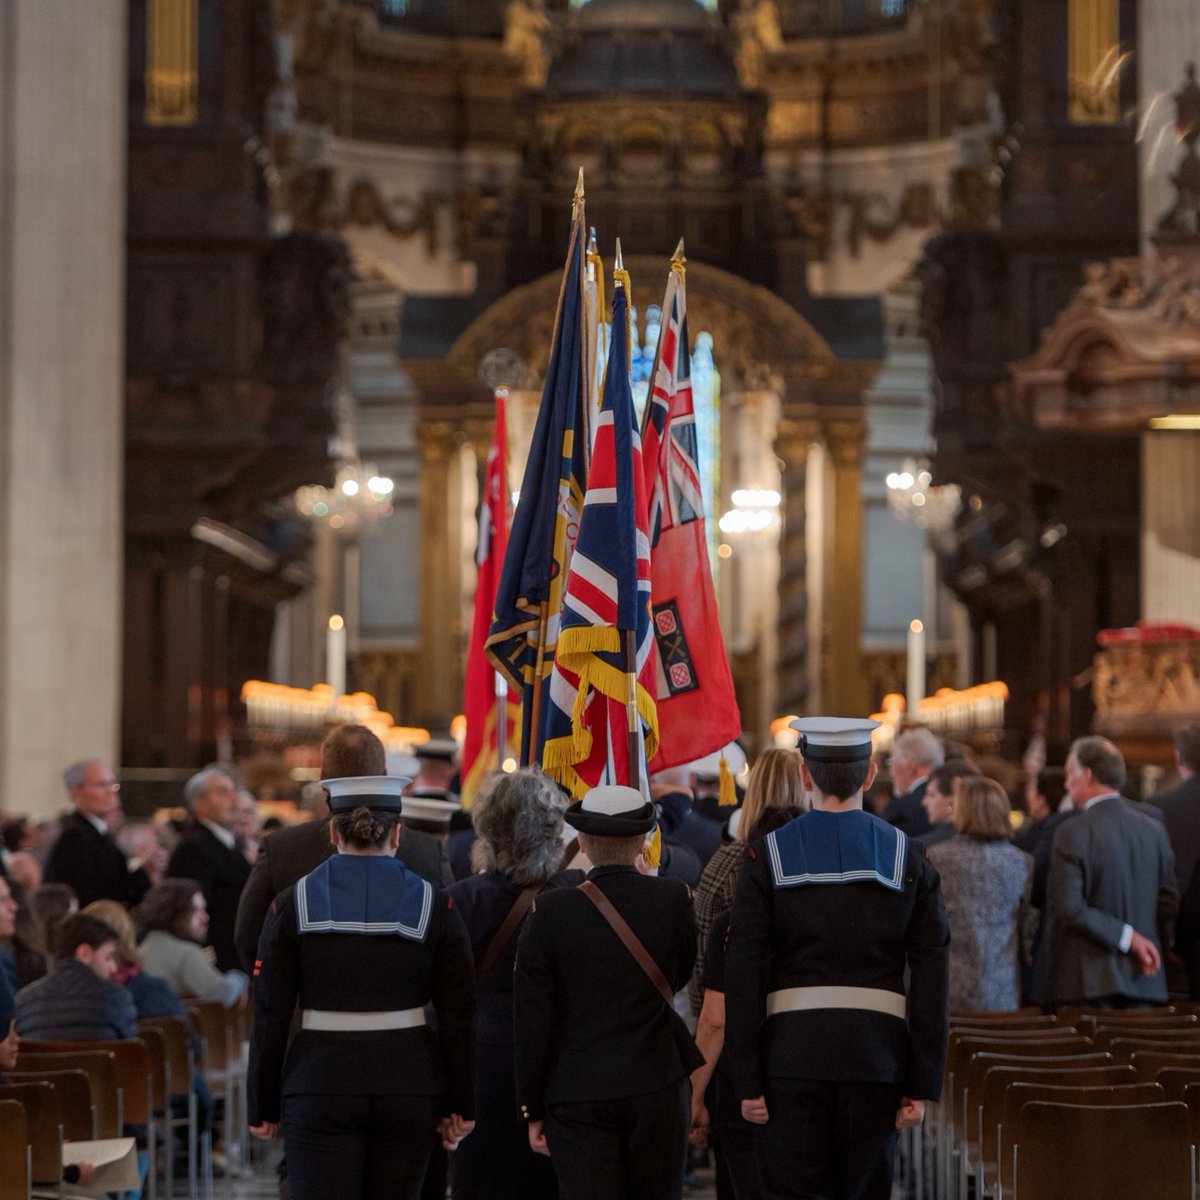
[1112, 896]
[602, 1058]
[289, 854]
[85, 857]
[1180, 808]
[208, 852]
[914, 754]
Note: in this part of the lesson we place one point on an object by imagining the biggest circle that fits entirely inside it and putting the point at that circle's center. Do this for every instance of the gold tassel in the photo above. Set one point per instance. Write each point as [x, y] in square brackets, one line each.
[652, 852]
[726, 792]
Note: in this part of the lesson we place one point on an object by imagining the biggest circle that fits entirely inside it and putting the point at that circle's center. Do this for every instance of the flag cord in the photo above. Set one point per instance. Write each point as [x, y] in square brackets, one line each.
[535, 708]
[631, 711]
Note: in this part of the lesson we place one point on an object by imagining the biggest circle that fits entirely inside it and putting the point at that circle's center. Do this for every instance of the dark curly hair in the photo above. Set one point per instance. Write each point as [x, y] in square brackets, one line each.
[365, 828]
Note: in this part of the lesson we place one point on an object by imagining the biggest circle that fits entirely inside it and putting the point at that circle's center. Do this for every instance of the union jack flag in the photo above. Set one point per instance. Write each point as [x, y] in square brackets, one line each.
[607, 599]
[694, 688]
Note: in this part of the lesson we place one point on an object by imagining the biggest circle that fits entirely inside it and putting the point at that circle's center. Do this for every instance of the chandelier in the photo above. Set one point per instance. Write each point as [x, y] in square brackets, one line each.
[912, 497]
[360, 495]
[755, 511]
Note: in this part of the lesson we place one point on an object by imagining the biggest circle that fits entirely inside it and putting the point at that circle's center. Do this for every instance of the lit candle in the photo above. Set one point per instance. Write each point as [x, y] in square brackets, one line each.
[335, 658]
[916, 669]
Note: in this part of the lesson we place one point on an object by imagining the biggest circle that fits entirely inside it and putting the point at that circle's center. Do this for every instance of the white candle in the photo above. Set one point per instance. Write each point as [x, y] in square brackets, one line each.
[916, 669]
[335, 657]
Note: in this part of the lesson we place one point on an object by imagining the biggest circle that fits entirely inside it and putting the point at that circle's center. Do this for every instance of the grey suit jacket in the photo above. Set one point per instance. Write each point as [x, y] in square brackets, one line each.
[291, 853]
[1111, 866]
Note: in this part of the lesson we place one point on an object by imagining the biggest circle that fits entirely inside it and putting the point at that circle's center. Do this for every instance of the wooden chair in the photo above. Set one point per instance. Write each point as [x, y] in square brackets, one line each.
[135, 1077]
[1148, 1063]
[177, 1045]
[1092, 1023]
[1124, 1048]
[1073, 1014]
[967, 1118]
[101, 1069]
[1076, 1152]
[14, 1152]
[1106, 1035]
[1024, 1092]
[1021, 1018]
[44, 1121]
[74, 1092]
[222, 1065]
[999, 1079]
[1175, 1080]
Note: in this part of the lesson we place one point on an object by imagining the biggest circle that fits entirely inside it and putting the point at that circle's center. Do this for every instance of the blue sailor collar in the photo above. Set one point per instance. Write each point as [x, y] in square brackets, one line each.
[358, 893]
[847, 847]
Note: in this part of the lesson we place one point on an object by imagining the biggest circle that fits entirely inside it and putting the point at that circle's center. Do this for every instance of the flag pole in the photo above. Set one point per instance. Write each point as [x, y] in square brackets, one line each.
[535, 707]
[501, 718]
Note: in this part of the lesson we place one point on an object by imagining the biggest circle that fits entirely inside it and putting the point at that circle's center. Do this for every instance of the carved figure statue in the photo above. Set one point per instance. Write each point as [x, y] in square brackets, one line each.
[758, 35]
[529, 37]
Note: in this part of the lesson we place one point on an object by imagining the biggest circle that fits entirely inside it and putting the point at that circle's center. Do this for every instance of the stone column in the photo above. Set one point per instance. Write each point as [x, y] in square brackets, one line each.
[793, 441]
[844, 690]
[63, 87]
[438, 696]
[1170, 535]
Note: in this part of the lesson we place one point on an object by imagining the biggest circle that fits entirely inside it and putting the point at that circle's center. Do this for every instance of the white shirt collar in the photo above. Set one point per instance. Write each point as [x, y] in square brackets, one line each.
[223, 835]
[1098, 799]
[100, 826]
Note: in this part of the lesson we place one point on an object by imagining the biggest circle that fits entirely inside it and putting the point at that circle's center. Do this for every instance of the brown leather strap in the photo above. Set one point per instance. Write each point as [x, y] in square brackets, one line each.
[621, 928]
[508, 927]
[569, 853]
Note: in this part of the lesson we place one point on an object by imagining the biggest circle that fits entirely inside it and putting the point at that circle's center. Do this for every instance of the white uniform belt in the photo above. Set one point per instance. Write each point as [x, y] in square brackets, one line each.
[798, 999]
[361, 1022]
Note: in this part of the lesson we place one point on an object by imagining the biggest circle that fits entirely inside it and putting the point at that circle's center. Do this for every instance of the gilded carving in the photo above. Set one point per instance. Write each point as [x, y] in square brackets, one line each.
[529, 38]
[1139, 679]
[757, 38]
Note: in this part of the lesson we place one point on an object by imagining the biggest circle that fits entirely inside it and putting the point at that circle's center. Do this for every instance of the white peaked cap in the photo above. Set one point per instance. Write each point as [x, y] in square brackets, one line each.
[371, 791]
[834, 739]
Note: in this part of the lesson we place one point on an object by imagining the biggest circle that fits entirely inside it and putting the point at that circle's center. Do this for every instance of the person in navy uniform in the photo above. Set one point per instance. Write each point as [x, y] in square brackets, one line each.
[602, 1058]
[363, 946]
[827, 1052]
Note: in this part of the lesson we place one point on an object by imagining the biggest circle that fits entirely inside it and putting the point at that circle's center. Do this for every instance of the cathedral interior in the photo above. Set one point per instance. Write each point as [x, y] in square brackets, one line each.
[264, 262]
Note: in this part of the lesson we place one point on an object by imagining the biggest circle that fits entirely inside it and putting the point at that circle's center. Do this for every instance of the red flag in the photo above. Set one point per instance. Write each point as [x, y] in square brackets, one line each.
[480, 703]
[698, 712]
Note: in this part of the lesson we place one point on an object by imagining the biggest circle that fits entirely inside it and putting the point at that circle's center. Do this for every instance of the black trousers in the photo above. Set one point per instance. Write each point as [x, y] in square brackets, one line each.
[630, 1149]
[358, 1147]
[829, 1141]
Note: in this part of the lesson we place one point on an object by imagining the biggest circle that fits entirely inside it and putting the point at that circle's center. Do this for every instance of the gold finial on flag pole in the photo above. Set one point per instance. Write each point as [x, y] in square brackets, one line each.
[619, 264]
[678, 256]
[577, 199]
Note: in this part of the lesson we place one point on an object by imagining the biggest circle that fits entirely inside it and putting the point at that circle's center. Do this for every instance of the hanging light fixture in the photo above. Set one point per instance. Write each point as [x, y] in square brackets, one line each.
[913, 498]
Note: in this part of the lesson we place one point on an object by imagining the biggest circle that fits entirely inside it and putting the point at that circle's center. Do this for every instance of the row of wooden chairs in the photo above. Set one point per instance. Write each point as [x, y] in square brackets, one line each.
[85, 1090]
[1015, 1083]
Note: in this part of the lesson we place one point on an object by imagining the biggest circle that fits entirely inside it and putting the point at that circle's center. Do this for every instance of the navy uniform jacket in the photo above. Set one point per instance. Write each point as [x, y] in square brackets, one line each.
[589, 1024]
[419, 955]
[832, 931]
[291, 853]
[907, 812]
[221, 873]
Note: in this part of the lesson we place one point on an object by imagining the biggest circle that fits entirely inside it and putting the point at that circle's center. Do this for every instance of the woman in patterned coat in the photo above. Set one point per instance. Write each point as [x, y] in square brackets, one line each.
[986, 883]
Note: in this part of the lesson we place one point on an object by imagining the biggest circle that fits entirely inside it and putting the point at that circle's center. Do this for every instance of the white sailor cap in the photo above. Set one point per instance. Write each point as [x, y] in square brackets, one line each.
[379, 792]
[612, 811]
[428, 812]
[834, 739]
[440, 749]
[399, 763]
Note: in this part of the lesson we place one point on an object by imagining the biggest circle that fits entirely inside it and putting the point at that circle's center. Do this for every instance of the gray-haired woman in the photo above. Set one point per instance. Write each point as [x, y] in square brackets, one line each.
[519, 820]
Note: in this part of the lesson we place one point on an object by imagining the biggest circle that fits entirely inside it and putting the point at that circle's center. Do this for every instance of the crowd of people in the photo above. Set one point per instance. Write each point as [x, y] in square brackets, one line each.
[545, 999]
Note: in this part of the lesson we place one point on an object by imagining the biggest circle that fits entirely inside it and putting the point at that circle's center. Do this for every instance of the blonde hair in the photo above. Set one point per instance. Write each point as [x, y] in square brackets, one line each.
[774, 782]
[116, 917]
[981, 809]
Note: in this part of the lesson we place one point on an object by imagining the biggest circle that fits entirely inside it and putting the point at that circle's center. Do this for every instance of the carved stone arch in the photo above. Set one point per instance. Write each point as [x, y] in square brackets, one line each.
[750, 325]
